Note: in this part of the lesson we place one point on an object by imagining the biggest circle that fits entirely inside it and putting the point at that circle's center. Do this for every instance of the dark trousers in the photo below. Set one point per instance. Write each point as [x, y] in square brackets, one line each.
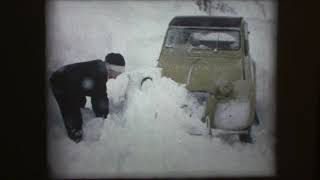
[69, 105]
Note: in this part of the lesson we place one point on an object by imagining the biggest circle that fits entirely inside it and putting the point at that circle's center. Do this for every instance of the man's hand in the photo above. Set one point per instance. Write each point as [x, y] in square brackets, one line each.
[105, 116]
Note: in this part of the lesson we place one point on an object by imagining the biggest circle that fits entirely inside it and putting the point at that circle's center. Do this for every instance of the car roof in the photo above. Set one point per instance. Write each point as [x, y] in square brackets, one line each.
[207, 21]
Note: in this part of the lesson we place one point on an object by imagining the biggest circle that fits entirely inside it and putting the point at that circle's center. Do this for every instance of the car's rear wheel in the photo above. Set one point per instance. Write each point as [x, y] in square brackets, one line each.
[246, 137]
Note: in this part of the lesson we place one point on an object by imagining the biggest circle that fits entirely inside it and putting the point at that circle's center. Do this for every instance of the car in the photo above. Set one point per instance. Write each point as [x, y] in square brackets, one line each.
[210, 55]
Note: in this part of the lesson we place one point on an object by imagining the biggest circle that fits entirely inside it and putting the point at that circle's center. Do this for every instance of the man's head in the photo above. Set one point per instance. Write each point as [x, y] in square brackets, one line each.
[115, 64]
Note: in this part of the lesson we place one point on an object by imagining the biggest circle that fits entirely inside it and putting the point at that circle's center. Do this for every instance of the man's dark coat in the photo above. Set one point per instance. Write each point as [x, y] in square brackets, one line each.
[72, 83]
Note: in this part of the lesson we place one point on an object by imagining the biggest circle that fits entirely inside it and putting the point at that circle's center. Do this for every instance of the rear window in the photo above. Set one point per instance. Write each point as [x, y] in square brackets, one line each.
[215, 39]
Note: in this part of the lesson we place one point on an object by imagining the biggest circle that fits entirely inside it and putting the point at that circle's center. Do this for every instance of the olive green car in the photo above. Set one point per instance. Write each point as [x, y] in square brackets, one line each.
[211, 56]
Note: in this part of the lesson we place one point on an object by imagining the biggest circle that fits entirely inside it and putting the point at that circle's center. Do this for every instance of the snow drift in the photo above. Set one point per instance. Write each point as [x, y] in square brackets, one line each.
[147, 133]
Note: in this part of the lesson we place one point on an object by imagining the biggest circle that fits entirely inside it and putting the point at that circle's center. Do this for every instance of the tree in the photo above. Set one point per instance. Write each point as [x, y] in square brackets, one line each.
[211, 6]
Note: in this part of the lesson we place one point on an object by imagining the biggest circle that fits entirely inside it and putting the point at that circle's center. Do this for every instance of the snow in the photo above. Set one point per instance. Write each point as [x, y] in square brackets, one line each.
[214, 36]
[147, 133]
[179, 37]
[232, 114]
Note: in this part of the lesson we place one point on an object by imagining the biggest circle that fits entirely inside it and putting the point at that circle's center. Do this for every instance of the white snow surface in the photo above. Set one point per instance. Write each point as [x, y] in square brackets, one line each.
[232, 114]
[214, 36]
[147, 133]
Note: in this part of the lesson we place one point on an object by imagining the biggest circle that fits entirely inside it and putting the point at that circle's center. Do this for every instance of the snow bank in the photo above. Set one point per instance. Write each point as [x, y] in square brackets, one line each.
[138, 134]
[160, 103]
[147, 134]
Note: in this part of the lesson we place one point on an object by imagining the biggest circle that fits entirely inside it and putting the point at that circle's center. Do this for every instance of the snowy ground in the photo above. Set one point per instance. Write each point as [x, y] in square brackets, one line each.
[146, 133]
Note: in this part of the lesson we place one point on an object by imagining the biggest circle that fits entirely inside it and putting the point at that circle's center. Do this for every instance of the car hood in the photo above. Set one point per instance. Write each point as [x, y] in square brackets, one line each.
[207, 74]
[202, 73]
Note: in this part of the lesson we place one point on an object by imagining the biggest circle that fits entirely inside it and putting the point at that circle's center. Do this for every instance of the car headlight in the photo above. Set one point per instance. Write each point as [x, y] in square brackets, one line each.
[232, 114]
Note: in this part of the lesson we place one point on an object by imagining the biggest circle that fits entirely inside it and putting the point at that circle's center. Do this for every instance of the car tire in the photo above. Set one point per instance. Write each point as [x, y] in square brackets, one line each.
[256, 120]
[144, 79]
[246, 137]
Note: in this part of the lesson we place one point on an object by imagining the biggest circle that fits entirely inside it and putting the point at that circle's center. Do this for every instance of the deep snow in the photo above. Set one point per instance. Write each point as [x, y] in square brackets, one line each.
[147, 131]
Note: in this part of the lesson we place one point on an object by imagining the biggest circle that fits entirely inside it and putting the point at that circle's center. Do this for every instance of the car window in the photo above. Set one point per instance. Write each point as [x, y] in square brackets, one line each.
[203, 38]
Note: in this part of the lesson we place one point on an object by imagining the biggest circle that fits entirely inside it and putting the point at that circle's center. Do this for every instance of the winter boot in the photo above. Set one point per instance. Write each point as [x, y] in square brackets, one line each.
[75, 135]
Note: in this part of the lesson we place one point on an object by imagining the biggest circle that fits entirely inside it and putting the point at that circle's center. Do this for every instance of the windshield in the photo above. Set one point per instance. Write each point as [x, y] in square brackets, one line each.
[215, 39]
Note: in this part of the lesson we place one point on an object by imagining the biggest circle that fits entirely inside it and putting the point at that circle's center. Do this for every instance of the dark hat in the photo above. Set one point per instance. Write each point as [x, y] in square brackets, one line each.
[115, 59]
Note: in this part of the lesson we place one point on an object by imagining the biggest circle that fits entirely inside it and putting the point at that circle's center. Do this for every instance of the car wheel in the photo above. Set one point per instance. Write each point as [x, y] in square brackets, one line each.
[256, 120]
[208, 121]
[145, 80]
[246, 137]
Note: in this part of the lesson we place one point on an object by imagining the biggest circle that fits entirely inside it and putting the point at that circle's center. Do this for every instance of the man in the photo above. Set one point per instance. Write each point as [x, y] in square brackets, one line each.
[72, 83]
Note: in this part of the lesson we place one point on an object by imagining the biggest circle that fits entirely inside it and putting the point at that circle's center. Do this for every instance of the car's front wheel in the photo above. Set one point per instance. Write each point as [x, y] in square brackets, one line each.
[256, 120]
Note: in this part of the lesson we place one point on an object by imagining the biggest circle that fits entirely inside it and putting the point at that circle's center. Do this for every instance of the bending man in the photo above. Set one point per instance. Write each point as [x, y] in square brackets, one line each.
[72, 83]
